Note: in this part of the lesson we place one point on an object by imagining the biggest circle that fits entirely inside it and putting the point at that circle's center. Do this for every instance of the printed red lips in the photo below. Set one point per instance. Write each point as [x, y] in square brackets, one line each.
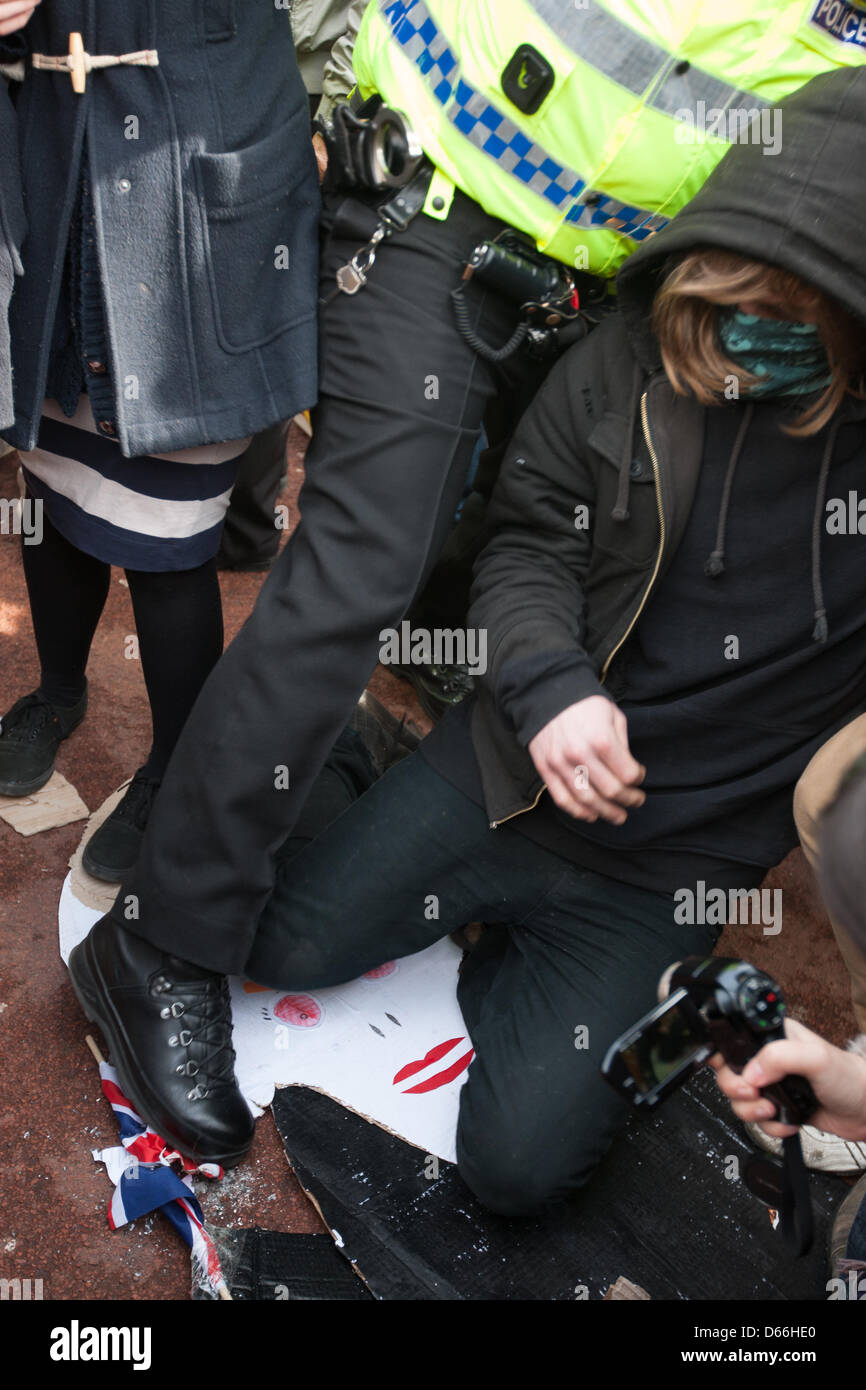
[381, 972]
[298, 1010]
[439, 1077]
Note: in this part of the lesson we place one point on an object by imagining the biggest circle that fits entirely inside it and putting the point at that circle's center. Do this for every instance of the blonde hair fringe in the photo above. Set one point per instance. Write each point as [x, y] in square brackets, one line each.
[685, 317]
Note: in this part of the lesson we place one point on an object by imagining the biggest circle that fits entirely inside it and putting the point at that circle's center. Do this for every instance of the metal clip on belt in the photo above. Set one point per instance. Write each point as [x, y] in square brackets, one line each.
[78, 63]
[394, 216]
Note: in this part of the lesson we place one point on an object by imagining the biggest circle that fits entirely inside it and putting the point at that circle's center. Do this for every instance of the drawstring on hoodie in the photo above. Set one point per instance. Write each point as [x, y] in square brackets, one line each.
[620, 510]
[821, 629]
[716, 562]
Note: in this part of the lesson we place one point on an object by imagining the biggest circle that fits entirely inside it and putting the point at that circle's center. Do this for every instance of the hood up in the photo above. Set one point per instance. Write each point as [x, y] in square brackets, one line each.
[802, 209]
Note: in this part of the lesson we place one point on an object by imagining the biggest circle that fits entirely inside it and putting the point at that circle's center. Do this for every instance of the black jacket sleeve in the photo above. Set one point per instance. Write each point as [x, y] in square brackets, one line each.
[528, 588]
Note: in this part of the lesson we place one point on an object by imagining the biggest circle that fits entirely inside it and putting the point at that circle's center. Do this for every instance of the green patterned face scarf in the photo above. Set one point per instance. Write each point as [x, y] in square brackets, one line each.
[788, 357]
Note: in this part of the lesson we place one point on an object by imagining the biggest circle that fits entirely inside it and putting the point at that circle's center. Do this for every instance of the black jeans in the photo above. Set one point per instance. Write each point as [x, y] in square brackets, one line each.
[401, 406]
[570, 951]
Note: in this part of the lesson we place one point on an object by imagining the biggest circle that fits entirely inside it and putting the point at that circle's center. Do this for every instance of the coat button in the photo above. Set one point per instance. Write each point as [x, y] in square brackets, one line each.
[98, 368]
[124, 185]
[636, 468]
[107, 427]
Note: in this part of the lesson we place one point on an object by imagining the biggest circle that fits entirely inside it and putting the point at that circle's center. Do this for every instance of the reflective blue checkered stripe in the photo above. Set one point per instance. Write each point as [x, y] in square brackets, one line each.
[615, 216]
[497, 136]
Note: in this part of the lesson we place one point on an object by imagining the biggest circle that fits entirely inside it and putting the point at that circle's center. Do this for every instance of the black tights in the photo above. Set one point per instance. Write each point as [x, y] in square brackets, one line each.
[178, 619]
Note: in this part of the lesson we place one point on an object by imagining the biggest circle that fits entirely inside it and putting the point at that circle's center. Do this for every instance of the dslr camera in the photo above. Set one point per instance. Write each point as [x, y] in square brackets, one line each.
[714, 1004]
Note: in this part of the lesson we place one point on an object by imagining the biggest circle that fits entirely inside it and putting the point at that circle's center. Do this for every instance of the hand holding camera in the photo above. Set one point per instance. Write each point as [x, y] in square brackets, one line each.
[715, 1006]
[838, 1080]
[731, 1015]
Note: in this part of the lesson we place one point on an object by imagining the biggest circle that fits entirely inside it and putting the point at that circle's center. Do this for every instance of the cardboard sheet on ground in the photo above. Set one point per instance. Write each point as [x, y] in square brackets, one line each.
[392, 1045]
[666, 1211]
[55, 804]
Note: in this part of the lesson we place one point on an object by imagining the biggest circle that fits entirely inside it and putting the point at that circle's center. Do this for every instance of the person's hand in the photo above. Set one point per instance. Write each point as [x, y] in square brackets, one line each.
[320, 150]
[838, 1079]
[14, 14]
[584, 758]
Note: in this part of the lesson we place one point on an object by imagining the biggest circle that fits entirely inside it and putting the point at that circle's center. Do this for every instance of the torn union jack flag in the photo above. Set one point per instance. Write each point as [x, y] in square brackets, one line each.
[148, 1176]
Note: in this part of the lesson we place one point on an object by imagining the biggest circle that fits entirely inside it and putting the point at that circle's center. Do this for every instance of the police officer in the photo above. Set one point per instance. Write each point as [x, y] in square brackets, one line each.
[585, 128]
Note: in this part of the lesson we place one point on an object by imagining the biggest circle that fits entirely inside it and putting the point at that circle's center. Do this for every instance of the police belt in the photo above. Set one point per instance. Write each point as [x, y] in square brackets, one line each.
[555, 327]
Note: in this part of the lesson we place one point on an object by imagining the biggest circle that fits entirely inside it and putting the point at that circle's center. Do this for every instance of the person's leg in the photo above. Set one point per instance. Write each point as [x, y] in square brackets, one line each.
[402, 867]
[348, 773]
[179, 622]
[67, 590]
[444, 600]
[178, 619]
[848, 1246]
[543, 1002]
[813, 794]
[402, 397]
[250, 539]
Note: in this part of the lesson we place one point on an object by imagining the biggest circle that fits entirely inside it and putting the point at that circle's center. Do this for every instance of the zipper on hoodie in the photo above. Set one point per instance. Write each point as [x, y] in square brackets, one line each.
[658, 487]
[494, 824]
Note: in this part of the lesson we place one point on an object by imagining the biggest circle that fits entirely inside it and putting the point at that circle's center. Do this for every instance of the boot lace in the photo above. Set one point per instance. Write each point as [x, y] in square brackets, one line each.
[206, 1015]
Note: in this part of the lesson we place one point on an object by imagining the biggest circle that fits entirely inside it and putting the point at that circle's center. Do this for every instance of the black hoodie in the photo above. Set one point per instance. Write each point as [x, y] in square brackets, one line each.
[740, 668]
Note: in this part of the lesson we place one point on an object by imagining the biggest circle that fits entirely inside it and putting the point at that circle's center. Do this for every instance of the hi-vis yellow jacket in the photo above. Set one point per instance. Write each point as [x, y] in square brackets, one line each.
[589, 123]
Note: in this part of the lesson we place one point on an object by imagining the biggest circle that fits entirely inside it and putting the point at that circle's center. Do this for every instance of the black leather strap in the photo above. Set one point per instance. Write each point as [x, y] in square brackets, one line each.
[796, 1219]
[407, 202]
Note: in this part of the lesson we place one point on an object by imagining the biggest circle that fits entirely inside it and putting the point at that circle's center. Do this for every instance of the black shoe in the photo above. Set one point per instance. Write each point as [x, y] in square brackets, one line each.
[168, 1025]
[30, 735]
[438, 687]
[387, 740]
[113, 849]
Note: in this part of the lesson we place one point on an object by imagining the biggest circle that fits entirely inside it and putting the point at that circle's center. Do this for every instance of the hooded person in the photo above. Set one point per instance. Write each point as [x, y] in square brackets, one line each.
[672, 631]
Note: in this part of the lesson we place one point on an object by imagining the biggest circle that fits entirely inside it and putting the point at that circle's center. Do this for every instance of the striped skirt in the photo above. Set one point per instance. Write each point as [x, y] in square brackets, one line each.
[158, 513]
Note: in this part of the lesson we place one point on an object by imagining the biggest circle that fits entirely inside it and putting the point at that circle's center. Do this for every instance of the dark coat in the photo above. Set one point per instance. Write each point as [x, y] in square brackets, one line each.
[607, 432]
[207, 204]
[12, 227]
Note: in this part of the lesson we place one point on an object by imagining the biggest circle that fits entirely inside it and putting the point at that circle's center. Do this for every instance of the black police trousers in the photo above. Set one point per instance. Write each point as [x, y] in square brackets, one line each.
[402, 399]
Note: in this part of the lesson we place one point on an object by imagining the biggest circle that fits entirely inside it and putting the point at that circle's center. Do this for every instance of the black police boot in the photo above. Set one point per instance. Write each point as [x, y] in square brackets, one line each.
[113, 849]
[168, 1025]
[30, 735]
[437, 687]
